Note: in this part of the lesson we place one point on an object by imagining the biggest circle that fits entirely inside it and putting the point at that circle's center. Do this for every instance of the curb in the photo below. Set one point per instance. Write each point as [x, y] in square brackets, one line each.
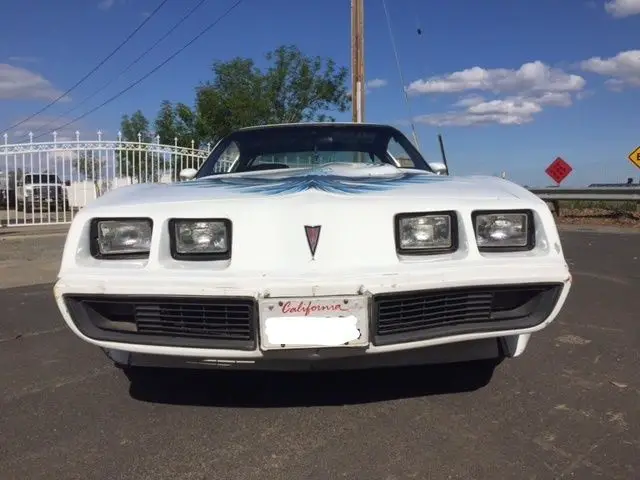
[35, 231]
[598, 229]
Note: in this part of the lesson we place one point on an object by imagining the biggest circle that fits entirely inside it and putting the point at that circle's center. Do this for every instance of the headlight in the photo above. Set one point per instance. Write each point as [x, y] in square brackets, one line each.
[504, 230]
[121, 237]
[200, 239]
[425, 233]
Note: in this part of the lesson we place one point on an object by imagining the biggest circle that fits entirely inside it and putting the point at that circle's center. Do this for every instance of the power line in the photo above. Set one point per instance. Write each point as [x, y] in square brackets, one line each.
[152, 71]
[404, 90]
[122, 44]
[126, 69]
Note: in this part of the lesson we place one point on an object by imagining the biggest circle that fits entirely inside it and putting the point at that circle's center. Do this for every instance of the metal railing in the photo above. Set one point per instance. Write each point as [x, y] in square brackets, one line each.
[47, 182]
[604, 194]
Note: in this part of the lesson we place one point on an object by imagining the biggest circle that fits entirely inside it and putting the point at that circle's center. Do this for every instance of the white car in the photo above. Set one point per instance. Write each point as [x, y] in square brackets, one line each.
[322, 246]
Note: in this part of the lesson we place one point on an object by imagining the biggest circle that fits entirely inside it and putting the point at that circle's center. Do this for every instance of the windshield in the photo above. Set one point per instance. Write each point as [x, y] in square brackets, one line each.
[305, 145]
[29, 179]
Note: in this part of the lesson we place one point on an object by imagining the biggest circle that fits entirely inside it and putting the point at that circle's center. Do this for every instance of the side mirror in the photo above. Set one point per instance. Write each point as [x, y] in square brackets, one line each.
[67, 183]
[188, 173]
[439, 168]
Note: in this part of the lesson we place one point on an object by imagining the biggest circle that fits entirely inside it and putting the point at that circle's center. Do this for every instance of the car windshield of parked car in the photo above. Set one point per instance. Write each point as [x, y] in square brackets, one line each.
[272, 148]
[44, 178]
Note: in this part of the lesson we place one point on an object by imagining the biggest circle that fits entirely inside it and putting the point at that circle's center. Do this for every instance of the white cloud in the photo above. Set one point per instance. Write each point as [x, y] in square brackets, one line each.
[478, 111]
[623, 69]
[377, 83]
[511, 110]
[532, 76]
[106, 4]
[18, 83]
[24, 59]
[520, 94]
[374, 84]
[371, 85]
[622, 8]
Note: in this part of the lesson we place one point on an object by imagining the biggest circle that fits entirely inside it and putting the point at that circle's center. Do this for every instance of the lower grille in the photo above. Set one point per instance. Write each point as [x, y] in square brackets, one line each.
[44, 192]
[429, 314]
[203, 321]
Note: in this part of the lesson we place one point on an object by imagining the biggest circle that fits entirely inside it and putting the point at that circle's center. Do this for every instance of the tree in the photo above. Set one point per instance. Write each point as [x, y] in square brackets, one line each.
[178, 126]
[141, 164]
[294, 88]
[177, 123]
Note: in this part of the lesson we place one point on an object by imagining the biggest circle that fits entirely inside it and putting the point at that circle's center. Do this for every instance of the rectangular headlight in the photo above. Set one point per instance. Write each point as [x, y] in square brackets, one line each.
[504, 230]
[200, 238]
[126, 237]
[425, 233]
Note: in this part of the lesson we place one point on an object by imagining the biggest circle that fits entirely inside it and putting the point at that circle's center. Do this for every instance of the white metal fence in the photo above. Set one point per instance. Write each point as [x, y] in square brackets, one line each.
[47, 182]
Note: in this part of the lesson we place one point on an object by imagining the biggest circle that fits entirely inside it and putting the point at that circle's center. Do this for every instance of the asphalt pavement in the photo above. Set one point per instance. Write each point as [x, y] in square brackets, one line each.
[569, 408]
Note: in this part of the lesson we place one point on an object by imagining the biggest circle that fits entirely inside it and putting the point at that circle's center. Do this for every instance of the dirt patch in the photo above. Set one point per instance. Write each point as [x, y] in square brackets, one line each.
[599, 216]
[29, 260]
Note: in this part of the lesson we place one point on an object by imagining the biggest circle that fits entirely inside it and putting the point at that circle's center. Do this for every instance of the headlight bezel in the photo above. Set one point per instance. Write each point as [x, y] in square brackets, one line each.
[531, 230]
[94, 235]
[453, 222]
[171, 224]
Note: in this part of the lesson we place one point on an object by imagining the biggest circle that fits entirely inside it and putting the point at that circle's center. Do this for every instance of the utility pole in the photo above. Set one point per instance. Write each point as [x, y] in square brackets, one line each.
[357, 60]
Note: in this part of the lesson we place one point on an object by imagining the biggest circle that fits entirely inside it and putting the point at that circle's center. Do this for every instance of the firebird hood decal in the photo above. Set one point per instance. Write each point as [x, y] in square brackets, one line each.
[325, 179]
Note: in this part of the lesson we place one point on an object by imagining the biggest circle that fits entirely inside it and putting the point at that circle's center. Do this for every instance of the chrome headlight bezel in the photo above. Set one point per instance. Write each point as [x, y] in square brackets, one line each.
[530, 233]
[94, 239]
[453, 228]
[199, 256]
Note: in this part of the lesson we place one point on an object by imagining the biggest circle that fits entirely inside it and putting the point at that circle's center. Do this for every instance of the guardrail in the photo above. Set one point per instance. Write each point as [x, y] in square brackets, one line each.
[605, 194]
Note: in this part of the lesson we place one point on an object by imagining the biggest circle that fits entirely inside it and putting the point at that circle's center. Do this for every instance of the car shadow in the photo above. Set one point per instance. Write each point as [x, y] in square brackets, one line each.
[252, 389]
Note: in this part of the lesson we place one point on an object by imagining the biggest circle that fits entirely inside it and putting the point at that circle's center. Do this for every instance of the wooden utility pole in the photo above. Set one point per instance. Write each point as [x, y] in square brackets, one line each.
[357, 60]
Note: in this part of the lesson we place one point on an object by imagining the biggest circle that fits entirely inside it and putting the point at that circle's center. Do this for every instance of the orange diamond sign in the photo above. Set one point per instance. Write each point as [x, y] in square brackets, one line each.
[635, 157]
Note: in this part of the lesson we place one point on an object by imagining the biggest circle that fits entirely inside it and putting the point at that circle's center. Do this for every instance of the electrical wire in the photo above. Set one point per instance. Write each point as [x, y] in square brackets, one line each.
[122, 44]
[126, 69]
[152, 71]
[395, 52]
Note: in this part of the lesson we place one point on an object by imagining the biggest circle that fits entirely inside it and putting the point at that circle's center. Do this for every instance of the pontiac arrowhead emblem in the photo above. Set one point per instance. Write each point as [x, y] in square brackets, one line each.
[313, 234]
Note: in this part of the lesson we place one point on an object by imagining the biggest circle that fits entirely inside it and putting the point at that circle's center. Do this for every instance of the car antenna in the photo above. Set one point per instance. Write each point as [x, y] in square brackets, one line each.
[444, 155]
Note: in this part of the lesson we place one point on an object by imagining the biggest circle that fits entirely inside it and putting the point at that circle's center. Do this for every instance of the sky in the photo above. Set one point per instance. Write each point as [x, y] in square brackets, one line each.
[509, 84]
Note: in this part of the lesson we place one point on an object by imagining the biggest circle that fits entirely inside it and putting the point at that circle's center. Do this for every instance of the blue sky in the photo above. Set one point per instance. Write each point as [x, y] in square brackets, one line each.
[510, 84]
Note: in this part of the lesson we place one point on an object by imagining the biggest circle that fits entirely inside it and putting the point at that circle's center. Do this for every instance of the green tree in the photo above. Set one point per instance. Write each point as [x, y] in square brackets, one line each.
[137, 161]
[294, 88]
[177, 125]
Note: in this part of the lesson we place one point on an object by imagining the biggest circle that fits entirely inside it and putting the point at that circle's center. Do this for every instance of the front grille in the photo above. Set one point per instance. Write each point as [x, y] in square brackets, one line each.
[219, 322]
[45, 192]
[421, 315]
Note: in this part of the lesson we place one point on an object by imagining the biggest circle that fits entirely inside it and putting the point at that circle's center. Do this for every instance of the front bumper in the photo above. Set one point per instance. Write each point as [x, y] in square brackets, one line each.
[152, 319]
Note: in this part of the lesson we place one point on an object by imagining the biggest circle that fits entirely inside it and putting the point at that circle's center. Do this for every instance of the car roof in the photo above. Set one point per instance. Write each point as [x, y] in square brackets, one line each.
[316, 125]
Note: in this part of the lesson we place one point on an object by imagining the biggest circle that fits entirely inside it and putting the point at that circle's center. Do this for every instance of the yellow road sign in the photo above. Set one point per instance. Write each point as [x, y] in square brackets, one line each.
[635, 157]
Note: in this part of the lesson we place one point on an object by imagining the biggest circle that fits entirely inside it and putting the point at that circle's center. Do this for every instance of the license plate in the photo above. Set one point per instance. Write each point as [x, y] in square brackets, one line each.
[313, 322]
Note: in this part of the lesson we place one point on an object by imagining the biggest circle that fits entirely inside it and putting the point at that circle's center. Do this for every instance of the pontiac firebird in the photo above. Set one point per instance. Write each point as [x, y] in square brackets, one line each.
[312, 246]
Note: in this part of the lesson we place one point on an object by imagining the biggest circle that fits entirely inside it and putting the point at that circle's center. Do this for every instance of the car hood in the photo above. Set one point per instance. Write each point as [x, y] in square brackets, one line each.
[335, 182]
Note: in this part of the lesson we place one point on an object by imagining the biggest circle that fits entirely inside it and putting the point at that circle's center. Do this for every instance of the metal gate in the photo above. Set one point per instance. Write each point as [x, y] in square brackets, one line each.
[47, 183]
